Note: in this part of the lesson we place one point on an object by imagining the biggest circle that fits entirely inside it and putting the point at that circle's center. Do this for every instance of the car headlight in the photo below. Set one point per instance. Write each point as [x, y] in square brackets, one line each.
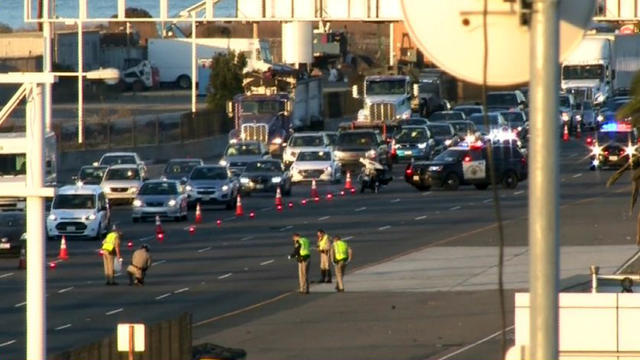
[276, 179]
[244, 180]
[600, 118]
[435, 168]
[447, 142]
[188, 187]
[223, 162]
[579, 117]
[91, 217]
[423, 145]
[565, 116]
[172, 202]
[276, 141]
[371, 153]
[406, 115]
[133, 189]
[599, 97]
[137, 203]
[225, 188]
[52, 217]
[338, 154]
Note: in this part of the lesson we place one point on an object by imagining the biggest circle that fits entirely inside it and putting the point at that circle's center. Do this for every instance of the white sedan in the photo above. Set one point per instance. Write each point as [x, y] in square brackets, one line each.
[315, 163]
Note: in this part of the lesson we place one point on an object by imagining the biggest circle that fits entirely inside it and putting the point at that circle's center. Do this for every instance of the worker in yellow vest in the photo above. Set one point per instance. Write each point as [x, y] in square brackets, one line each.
[302, 252]
[111, 247]
[341, 254]
[324, 247]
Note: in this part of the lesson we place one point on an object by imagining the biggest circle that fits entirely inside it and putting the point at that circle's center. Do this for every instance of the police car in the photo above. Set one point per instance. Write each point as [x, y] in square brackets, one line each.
[79, 211]
[611, 146]
[469, 165]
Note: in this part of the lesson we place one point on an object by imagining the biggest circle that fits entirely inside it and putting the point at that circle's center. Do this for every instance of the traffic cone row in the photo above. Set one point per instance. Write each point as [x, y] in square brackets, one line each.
[565, 133]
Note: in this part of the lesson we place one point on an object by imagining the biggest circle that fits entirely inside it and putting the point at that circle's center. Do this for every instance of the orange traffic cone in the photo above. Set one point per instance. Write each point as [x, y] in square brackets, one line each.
[565, 133]
[578, 132]
[159, 229]
[198, 214]
[347, 183]
[63, 255]
[239, 211]
[314, 189]
[278, 197]
[22, 262]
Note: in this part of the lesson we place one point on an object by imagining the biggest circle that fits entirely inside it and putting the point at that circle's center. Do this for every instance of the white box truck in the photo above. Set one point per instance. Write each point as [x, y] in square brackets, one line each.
[627, 61]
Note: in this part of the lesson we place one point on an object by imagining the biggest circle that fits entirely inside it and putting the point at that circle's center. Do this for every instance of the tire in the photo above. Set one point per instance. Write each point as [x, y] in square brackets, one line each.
[510, 180]
[183, 82]
[451, 182]
[481, 186]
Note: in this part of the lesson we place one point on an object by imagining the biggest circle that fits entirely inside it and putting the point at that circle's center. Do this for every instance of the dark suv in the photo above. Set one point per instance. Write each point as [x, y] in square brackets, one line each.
[355, 144]
[469, 166]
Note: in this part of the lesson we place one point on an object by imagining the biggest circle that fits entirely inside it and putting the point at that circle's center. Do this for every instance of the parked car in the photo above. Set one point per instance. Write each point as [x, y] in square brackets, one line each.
[79, 211]
[265, 176]
[163, 198]
[212, 185]
[316, 163]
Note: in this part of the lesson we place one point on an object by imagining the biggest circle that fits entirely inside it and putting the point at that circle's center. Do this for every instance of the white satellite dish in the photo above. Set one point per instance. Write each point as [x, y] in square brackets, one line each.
[450, 33]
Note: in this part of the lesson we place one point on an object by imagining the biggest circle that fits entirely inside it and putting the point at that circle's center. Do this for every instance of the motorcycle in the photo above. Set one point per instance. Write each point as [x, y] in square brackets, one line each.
[373, 175]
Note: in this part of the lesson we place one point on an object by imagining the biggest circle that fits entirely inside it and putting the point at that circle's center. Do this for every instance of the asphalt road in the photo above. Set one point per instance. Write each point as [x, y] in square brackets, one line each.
[243, 262]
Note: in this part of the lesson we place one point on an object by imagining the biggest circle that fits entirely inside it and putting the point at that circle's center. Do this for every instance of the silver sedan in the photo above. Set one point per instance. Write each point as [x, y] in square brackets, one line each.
[164, 198]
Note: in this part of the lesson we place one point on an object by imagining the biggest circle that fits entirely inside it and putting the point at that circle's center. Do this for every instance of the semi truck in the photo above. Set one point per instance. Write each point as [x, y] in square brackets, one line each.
[173, 59]
[588, 72]
[386, 98]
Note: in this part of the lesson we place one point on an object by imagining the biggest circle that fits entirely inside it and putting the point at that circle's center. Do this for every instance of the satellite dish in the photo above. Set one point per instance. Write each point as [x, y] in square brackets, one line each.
[450, 33]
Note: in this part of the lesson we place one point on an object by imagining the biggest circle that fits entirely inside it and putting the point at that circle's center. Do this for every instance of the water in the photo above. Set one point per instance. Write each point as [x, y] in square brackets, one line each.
[12, 11]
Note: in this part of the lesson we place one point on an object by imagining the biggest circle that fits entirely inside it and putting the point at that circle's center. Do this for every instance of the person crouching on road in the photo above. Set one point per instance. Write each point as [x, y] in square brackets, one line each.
[111, 247]
[341, 254]
[301, 252]
[324, 247]
[140, 262]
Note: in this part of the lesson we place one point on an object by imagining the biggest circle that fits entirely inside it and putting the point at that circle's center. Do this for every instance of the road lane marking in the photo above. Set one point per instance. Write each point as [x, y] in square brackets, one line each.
[455, 208]
[323, 218]
[577, 175]
[288, 227]
[187, 227]
[205, 249]
[426, 193]
[361, 208]
[518, 192]
[229, 218]
[384, 227]
[65, 290]
[163, 296]
[266, 262]
[347, 238]
[394, 201]
[5, 275]
[245, 309]
[246, 238]
[265, 209]
[224, 276]
[465, 348]
[114, 311]
[146, 238]
[62, 327]
[20, 304]
[181, 290]
[420, 217]
[487, 201]
[7, 343]
[158, 262]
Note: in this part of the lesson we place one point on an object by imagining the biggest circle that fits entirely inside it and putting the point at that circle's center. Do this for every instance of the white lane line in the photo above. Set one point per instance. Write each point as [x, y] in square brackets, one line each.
[224, 276]
[20, 304]
[426, 193]
[65, 290]
[394, 201]
[62, 327]
[463, 349]
[163, 296]
[158, 262]
[266, 262]
[323, 218]
[361, 208]
[572, 155]
[181, 290]
[114, 311]
[577, 175]
[518, 192]
[346, 238]
[146, 238]
[265, 209]
[5, 275]
[487, 201]
[455, 208]
[229, 218]
[205, 249]
[7, 343]
[420, 217]
[384, 227]
[288, 227]
[186, 227]
[246, 238]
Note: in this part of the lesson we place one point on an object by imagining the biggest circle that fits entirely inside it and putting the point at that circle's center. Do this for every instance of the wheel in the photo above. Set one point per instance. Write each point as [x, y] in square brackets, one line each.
[510, 180]
[481, 186]
[451, 182]
[184, 82]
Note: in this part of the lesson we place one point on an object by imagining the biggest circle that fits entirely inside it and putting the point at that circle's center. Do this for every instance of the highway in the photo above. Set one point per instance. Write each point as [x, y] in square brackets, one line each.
[222, 269]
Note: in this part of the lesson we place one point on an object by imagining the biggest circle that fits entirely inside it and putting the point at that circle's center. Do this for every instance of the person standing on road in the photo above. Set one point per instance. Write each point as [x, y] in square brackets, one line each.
[140, 262]
[111, 247]
[341, 254]
[302, 252]
[324, 247]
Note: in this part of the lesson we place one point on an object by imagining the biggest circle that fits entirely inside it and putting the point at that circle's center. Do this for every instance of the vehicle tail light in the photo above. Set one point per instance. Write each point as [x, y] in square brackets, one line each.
[606, 152]
[523, 161]
[409, 170]
[467, 158]
[589, 141]
[622, 152]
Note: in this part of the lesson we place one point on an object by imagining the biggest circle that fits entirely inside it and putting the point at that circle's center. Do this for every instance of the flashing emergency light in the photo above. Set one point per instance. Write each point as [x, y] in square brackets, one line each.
[467, 158]
[596, 149]
[613, 126]
[589, 141]
[630, 149]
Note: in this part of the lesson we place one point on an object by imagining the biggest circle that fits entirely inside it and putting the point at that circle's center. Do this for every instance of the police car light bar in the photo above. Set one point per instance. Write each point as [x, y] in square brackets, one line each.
[613, 126]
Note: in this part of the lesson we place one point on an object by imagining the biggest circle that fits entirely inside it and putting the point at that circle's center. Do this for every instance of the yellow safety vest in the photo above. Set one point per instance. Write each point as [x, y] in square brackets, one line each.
[340, 250]
[323, 244]
[109, 242]
[304, 246]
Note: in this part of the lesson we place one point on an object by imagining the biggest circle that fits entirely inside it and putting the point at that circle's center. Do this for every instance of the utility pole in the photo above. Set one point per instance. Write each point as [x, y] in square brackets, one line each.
[543, 183]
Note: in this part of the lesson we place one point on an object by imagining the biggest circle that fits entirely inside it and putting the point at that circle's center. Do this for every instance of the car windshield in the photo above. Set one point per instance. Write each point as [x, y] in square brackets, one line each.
[263, 166]
[118, 160]
[158, 188]
[502, 99]
[586, 106]
[262, 107]
[468, 110]
[180, 167]
[91, 174]
[429, 87]
[122, 174]
[613, 136]
[513, 118]
[448, 115]
[357, 139]
[451, 155]
[243, 149]
[307, 140]
[580, 72]
[314, 156]
[13, 164]
[413, 122]
[209, 173]
[440, 130]
[74, 201]
[411, 135]
[478, 119]
[386, 87]
[565, 101]
[462, 127]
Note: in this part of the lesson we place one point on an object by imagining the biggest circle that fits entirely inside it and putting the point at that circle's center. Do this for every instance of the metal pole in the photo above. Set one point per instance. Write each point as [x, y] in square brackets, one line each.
[36, 281]
[47, 34]
[194, 70]
[543, 185]
[81, 10]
